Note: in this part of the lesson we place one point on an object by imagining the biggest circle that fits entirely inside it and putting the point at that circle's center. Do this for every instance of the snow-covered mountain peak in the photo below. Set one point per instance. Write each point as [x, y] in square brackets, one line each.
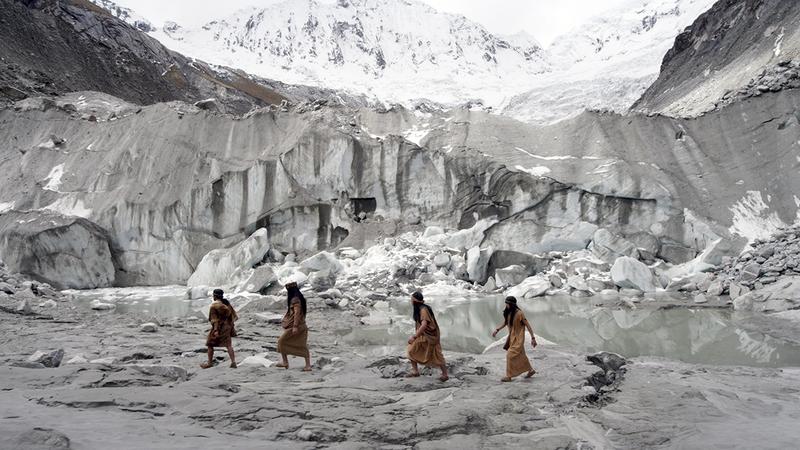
[406, 51]
[388, 48]
[635, 27]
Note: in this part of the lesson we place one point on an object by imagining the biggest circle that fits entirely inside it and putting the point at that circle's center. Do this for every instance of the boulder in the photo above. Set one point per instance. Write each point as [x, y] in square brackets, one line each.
[510, 276]
[737, 290]
[490, 285]
[477, 263]
[290, 274]
[7, 288]
[148, 327]
[535, 286]
[750, 272]
[441, 259]
[51, 359]
[97, 305]
[217, 268]
[645, 243]
[533, 264]
[629, 273]
[349, 253]
[66, 252]
[24, 307]
[597, 285]
[700, 298]
[48, 304]
[432, 231]
[578, 283]
[556, 281]
[608, 246]
[322, 261]
[321, 281]
[260, 278]
[78, 359]
[676, 253]
[715, 289]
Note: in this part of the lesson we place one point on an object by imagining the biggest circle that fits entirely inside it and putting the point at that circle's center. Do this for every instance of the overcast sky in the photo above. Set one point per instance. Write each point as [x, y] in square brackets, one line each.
[544, 19]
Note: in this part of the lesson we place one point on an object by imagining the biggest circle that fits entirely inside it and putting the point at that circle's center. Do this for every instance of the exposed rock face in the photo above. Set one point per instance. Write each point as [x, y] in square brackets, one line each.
[165, 204]
[746, 48]
[55, 47]
[66, 252]
[609, 247]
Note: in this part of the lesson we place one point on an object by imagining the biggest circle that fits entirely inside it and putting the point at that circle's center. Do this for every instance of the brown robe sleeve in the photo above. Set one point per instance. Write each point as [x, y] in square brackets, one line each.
[298, 310]
[213, 317]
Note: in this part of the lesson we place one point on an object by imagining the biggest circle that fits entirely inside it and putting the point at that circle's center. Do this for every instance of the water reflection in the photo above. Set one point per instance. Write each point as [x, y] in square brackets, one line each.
[706, 336]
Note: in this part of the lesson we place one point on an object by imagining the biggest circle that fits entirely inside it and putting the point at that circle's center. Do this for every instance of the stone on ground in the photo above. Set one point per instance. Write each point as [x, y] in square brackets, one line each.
[149, 327]
[51, 359]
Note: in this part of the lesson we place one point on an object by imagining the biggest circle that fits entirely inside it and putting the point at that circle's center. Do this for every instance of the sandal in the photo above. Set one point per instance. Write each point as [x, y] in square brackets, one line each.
[412, 375]
[530, 373]
[306, 369]
[233, 365]
[205, 365]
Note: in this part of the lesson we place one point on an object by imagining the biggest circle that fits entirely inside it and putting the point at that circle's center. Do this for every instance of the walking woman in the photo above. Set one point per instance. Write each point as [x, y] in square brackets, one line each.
[424, 347]
[516, 360]
[222, 316]
[294, 340]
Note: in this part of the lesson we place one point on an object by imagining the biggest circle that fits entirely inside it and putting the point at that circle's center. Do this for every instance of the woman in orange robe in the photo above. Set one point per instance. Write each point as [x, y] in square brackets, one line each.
[294, 340]
[222, 316]
[424, 347]
[517, 361]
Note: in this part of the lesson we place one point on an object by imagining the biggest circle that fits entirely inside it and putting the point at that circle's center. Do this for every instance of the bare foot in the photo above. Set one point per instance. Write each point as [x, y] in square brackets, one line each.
[505, 379]
[205, 365]
[412, 374]
[530, 373]
[282, 365]
[233, 365]
[307, 369]
[443, 378]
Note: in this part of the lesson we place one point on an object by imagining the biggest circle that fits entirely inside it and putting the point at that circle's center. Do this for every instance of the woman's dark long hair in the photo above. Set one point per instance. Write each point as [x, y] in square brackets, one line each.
[418, 307]
[294, 292]
[219, 294]
[510, 311]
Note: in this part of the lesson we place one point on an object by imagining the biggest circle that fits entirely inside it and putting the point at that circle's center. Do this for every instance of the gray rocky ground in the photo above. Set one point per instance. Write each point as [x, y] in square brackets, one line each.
[120, 387]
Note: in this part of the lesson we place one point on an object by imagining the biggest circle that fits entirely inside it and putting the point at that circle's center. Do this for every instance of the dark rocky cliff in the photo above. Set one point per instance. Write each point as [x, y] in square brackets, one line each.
[52, 47]
[737, 49]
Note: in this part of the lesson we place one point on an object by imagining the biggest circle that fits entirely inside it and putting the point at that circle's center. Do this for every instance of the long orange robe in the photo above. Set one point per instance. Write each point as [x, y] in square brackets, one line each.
[517, 361]
[427, 349]
[294, 344]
